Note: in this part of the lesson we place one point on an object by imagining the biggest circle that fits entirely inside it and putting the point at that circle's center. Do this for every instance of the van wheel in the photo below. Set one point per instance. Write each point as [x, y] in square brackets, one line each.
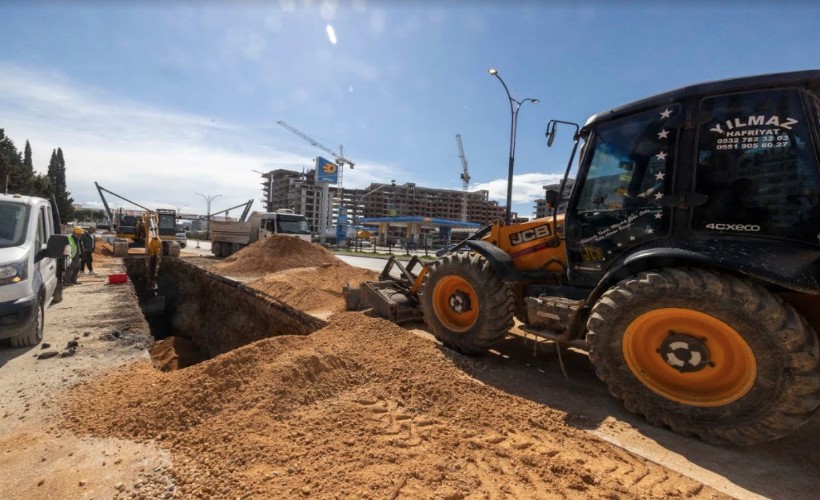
[706, 354]
[35, 333]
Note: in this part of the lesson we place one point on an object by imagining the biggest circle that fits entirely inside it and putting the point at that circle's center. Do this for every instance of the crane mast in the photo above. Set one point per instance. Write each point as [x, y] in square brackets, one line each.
[465, 177]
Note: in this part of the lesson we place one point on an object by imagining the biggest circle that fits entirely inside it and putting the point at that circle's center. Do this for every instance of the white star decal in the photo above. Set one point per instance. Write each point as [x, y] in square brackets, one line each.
[666, 113]
[609, 252]
[659, 215]
[661, 156]
[658, 196]
[659, 176]
[631, 238]
[663, 134]
[649, 230]
[620, 245]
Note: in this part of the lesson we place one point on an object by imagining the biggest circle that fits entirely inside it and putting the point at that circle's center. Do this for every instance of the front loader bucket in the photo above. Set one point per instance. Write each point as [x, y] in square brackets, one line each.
[390, 302]
[394, 299]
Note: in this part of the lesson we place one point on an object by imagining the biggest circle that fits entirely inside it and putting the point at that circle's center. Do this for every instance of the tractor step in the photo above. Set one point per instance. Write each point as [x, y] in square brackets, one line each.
[556, 314]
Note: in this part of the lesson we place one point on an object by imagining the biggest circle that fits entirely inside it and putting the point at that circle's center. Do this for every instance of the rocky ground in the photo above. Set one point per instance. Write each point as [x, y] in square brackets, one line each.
[359, 409]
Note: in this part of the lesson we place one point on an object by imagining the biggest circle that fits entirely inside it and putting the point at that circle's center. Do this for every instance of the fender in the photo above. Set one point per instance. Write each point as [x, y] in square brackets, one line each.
[500, 260]
[799, 273]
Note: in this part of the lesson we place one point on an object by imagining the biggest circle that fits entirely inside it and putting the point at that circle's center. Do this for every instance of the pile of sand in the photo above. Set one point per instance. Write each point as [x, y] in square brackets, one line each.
[273, 254]
[314, 290]
[359, 409]
[300, 274]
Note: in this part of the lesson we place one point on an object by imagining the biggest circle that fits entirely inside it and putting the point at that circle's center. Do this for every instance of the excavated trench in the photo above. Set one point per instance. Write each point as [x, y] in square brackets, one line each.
[202, 315]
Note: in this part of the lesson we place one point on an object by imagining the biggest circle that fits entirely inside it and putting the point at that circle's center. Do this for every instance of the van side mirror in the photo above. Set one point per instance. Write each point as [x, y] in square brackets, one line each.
[552, 198]
[56, 245]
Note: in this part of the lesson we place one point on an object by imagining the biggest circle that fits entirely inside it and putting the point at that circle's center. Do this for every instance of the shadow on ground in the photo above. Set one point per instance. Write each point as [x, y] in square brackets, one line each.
[786, 468]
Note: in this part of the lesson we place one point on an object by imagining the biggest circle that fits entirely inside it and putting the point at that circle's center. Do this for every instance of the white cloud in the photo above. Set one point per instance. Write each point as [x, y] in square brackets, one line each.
[157, 158]
[526, 187]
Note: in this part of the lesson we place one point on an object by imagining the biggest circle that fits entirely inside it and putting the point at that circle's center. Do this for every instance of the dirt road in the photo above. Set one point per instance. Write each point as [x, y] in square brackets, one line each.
[361, 408]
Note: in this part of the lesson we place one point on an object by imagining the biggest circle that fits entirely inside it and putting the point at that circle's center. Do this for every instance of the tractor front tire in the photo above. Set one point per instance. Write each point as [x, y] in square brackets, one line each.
[464, 303]
[706, 354]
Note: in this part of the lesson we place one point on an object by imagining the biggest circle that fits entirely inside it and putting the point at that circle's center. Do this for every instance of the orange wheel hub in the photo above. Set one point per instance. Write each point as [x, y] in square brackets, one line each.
[455, 303]
[689, 357]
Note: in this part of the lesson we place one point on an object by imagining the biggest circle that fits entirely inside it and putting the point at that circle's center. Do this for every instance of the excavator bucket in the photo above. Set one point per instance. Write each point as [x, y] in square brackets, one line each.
[153, 303]
[393, 297]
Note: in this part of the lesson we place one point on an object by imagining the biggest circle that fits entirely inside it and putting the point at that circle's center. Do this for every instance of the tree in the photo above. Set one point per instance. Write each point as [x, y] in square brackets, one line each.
[56, 174]
[11, 166]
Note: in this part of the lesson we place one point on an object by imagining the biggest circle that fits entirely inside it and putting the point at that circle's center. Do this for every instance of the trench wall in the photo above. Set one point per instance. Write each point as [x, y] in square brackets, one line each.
[219, 314]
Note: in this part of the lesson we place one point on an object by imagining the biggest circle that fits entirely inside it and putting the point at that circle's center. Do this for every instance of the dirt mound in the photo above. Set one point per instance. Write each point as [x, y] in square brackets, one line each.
[314, 290]
[272, 254]
[363, 409]
[101, 248]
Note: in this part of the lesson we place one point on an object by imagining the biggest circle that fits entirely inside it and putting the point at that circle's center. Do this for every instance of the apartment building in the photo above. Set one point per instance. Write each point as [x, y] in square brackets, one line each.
[299, 192]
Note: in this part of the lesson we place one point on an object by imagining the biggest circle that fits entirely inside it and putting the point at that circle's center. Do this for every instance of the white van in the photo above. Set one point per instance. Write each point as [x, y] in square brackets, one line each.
[31, 266]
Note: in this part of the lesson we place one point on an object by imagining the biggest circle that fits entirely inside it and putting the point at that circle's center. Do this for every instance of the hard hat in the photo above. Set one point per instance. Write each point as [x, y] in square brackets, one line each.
[77, 230]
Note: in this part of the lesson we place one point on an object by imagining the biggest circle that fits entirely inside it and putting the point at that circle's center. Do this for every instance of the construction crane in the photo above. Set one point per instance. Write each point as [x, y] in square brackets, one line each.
[340, 159]
[465, 177]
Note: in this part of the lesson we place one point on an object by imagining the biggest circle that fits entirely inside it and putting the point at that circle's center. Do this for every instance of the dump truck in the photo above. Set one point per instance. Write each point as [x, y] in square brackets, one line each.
[686, 263]
[228, 237]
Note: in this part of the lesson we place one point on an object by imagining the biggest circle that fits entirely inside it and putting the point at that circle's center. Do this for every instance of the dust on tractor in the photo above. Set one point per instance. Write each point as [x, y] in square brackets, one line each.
[686, 261]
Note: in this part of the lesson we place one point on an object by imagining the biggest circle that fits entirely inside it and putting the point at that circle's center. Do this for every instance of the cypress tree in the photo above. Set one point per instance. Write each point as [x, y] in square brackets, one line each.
[56, 174]
[11, 166]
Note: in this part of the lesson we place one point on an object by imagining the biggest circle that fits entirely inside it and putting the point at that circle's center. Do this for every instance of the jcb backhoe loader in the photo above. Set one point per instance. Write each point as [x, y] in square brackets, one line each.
[687, 261]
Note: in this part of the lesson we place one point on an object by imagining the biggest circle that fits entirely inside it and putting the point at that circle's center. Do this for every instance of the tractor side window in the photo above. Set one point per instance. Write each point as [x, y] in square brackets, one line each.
[619, 205]
[758, 167]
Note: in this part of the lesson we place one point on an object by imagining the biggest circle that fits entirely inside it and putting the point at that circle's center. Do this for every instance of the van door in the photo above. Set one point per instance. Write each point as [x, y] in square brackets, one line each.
[46, 266]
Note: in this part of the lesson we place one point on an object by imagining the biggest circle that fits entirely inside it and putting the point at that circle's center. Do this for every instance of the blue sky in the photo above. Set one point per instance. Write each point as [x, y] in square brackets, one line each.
[159, 101]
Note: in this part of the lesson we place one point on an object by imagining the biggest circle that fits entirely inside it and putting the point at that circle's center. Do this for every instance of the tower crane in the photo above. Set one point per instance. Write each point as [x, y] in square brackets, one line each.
[465, 177]
[340, 159]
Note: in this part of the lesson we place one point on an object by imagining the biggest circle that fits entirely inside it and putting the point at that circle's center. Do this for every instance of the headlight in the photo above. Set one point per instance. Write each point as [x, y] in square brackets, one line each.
[13, 273]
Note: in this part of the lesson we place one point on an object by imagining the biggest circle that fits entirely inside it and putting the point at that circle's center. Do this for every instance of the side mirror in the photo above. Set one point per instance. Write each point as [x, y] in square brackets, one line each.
[552, 198]
[56, 246]
[550, 136]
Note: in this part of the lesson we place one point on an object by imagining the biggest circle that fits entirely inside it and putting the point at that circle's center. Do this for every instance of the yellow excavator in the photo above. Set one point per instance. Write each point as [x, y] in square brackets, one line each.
[686, 262]
[153, 230]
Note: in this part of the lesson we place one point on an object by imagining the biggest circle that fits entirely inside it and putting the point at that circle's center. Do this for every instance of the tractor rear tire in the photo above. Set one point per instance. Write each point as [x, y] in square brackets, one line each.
[706, 354]
[465, 304]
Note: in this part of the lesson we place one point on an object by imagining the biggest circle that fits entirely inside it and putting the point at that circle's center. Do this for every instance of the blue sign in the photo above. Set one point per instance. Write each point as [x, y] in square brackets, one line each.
[341, 226]
[326, 171]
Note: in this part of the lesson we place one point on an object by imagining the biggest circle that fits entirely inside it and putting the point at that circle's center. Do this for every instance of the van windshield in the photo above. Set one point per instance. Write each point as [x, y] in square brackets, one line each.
[13, 219]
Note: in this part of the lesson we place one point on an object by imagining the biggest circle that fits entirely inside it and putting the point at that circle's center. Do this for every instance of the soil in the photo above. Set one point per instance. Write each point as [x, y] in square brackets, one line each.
[359, 409]
[275, 253]
[347, 412]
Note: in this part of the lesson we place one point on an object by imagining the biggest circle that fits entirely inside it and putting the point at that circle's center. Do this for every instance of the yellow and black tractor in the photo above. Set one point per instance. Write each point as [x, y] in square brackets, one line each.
[687, 260]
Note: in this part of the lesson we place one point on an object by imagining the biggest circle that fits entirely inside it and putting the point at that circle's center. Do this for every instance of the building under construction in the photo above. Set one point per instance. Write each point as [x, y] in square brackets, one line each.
[299, 192]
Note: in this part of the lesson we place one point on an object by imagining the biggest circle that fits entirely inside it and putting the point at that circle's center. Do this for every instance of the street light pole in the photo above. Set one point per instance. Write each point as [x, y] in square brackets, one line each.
[515, 105]
[356, 206]
[208, 199]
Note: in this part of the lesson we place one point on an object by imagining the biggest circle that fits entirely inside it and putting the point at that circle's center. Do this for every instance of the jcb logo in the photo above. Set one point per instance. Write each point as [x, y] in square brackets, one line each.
[530, 234]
